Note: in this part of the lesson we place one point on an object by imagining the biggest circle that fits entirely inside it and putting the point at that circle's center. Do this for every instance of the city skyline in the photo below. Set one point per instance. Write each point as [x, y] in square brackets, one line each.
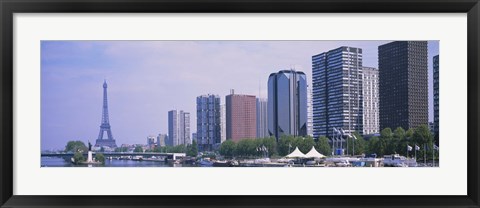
[143, 74]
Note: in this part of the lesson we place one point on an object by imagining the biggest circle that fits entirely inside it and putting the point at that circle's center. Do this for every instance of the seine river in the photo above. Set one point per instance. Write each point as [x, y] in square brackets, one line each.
[60, 162]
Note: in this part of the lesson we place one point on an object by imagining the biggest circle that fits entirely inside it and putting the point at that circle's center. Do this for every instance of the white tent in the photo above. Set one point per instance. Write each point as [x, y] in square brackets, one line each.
[314, 153]
[296, 153]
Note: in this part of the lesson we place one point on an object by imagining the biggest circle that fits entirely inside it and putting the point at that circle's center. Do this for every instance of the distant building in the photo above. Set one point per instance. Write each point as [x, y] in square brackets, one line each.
[162, 140]
[240, 116]
[337, 91]
[262, 124]
[403, 84]
[208, 122]
[179, 127]
[436, 96]
[371, 120]
[151, 142]
[223, 123]
[287, 103]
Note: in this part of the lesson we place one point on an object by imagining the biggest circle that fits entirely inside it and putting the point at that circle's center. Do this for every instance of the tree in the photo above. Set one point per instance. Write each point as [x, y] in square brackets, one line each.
[285, 145]
[192, 149]
[386, 138]
[377, 146]
[270, 143]
[138, 149]
[359, 144]
[78, 157]
[305, 144]
[323, 146]
[121, 149]
[76, 146]
[100, 158]
[423, 137]
[399, 140]
[247, 148]
[227, 148]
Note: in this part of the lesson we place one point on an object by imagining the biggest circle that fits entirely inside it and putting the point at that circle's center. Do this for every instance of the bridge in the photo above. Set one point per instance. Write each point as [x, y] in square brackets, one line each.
[119, 154]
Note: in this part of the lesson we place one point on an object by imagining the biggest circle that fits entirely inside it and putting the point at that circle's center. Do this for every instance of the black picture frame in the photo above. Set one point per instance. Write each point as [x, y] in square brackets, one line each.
[10, 7]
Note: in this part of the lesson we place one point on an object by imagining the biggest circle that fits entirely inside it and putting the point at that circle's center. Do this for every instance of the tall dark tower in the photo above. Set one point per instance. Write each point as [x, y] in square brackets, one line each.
[105, 126]
[403, 84]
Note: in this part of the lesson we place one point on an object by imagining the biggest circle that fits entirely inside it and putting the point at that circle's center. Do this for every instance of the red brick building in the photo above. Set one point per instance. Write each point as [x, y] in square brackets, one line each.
[240, 116]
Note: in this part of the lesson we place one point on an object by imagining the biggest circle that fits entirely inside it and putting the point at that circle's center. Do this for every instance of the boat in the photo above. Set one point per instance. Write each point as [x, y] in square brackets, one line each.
[343, 163]
[396, 160]
[206, 163]
[225, 163]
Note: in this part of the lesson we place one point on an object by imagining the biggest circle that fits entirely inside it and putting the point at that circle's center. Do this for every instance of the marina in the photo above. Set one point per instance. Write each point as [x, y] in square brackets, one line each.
[339, 161]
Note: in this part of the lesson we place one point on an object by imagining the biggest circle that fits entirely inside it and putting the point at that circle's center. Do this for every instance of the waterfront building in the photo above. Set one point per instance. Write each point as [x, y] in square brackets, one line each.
[337, 91]
[223, 123]
[436, 95]
[371, 122]
[179, 127]
[309, 112]
[287, 103]
[162, 140]
[240, 116]
[208, 122]
[105, 126]
[262, 127]
[403, 84]
[151, 142]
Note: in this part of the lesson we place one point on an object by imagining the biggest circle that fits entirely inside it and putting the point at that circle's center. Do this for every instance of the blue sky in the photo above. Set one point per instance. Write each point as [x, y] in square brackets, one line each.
[146, 79]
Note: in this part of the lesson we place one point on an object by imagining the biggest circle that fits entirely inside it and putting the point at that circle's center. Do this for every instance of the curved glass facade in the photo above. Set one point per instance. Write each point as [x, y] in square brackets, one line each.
[287, 103]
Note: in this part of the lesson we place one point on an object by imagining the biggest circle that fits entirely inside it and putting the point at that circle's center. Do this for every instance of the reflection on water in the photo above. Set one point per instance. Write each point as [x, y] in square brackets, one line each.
[60, 162]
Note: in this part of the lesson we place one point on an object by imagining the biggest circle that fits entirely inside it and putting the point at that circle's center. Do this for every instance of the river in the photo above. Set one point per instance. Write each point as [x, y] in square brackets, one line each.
[60, 162]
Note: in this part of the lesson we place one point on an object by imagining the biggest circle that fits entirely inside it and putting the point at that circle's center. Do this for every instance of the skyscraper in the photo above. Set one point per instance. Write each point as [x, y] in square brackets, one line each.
[208, 122]
[223, 123]
[240, 116]
[337, 91]
[287, 103]
[162, 140]
[370, 101]
[179, 127]
[436, 95]
[262, 128]
[403, 86]
[309, 112]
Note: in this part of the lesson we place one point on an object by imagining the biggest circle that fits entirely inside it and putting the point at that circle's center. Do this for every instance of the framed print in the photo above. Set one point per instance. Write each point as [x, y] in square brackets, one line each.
[248, 104]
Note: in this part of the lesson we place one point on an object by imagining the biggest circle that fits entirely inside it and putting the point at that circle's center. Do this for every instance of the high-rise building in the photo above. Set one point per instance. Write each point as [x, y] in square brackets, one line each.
[162, 140]
[223, 123]
[287, 103]
[151, 142]
[436, 96]
[403, 84]
[179, 127]
[370, 101]
[241, 116]
[309, 112]
[337, 91]
[262, 128]
[208, 122]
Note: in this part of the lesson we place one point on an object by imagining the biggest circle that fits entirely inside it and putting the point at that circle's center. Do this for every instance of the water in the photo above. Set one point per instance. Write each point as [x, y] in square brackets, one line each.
[60, 162]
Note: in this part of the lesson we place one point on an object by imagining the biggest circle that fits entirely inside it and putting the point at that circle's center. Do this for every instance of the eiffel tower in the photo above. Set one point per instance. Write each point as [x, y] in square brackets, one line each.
[105, 126]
